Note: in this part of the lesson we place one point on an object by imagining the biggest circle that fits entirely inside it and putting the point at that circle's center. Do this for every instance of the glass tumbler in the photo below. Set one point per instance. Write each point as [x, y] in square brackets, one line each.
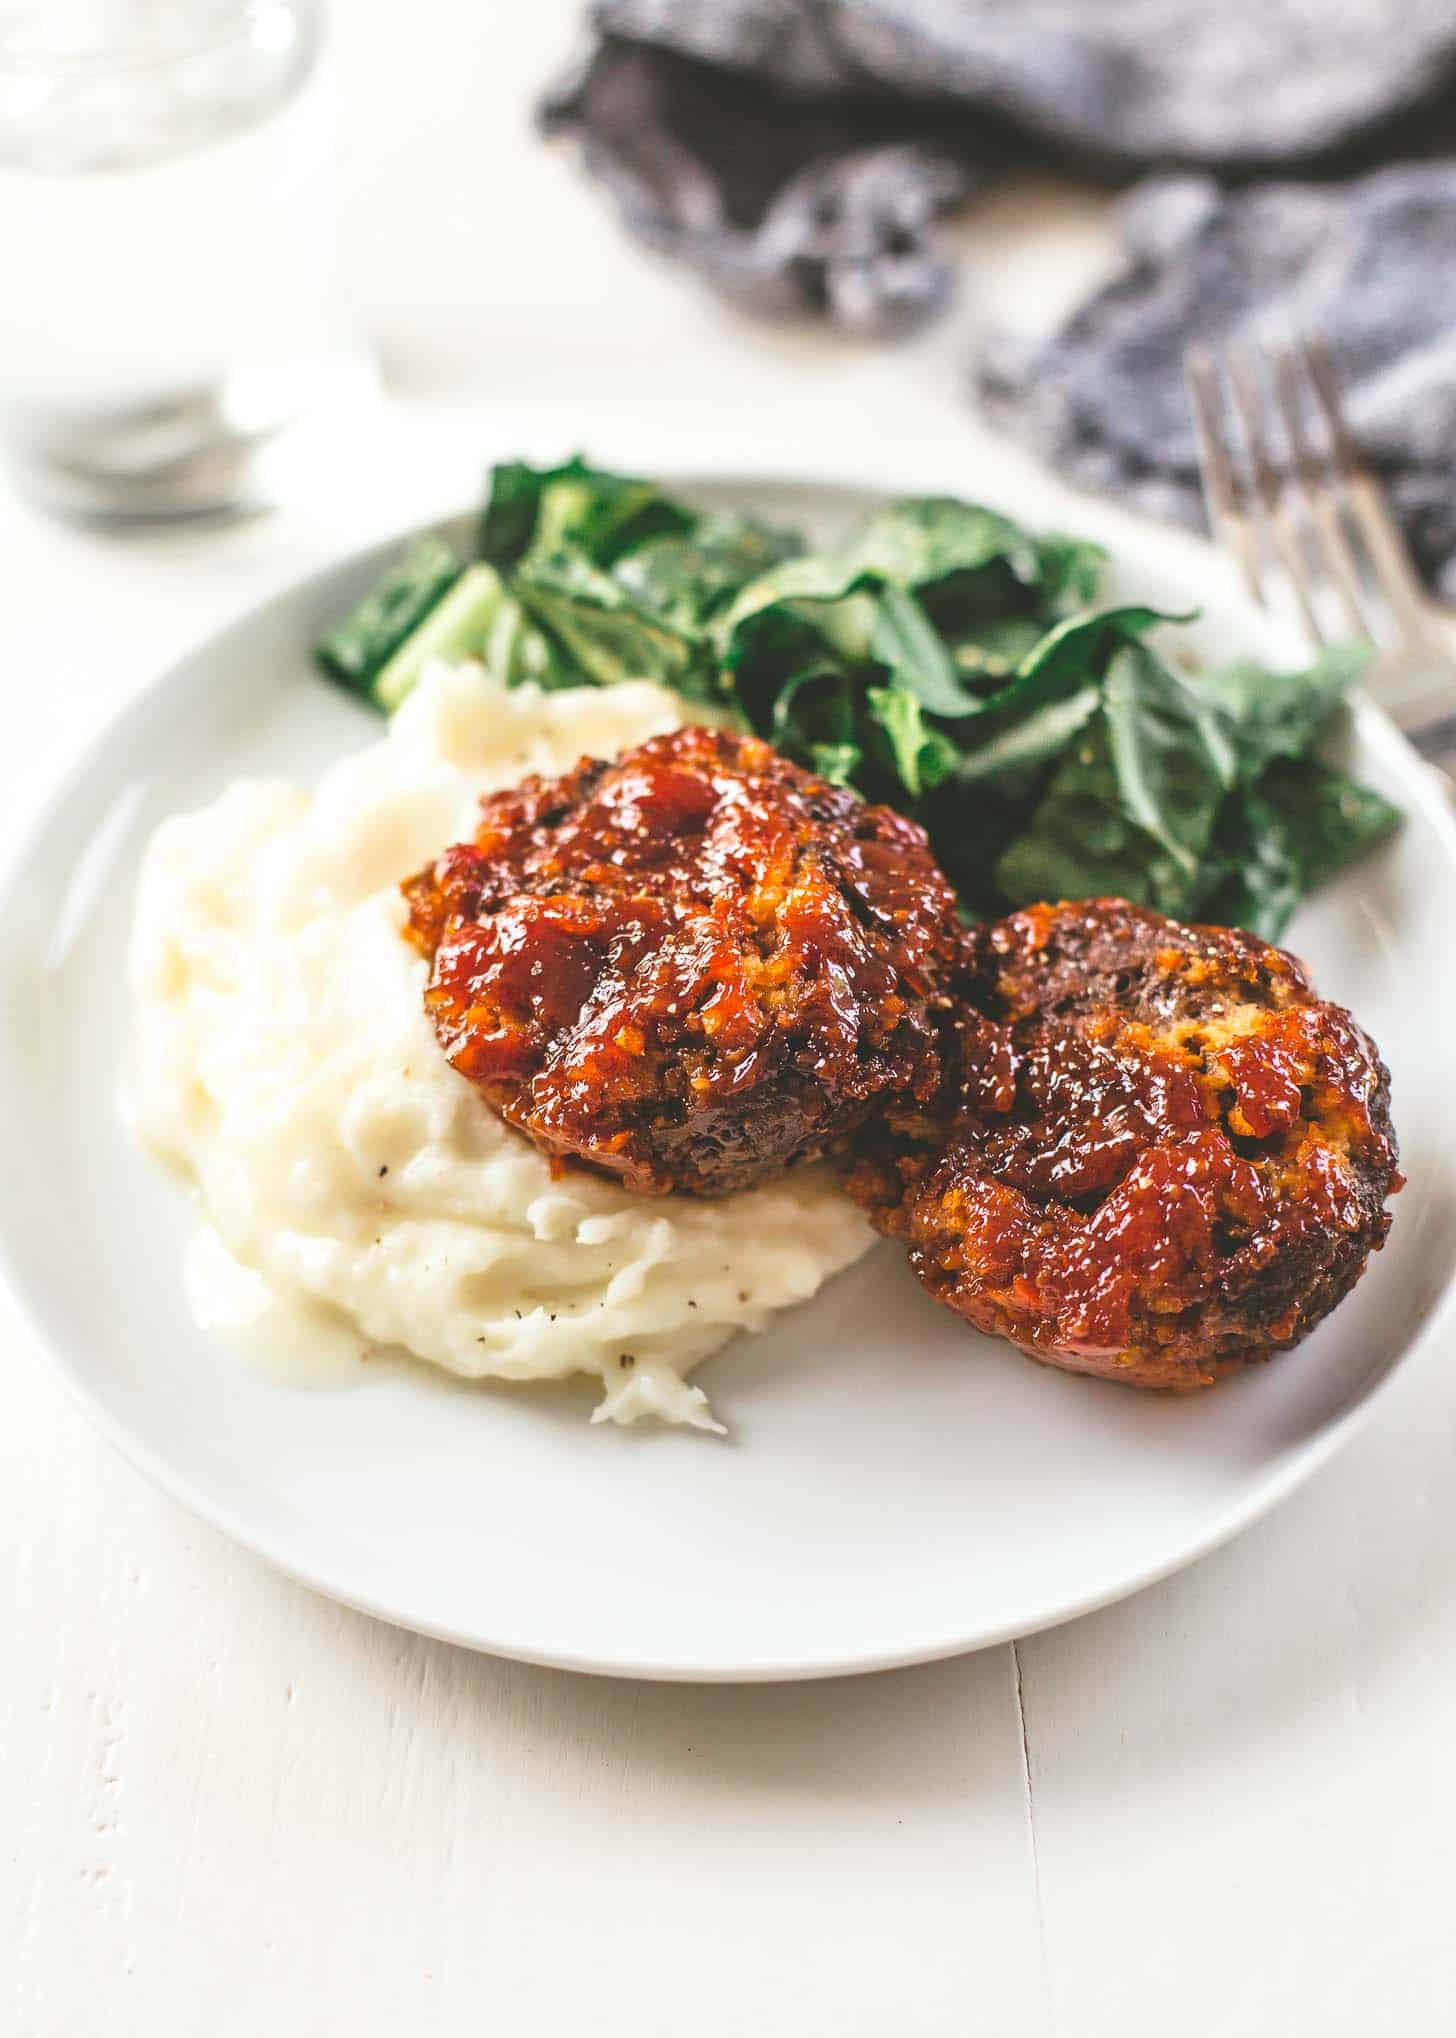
[170, 305]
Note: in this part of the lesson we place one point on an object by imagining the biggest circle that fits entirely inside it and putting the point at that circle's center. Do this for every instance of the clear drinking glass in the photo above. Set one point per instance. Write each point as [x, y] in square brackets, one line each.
[169, 301]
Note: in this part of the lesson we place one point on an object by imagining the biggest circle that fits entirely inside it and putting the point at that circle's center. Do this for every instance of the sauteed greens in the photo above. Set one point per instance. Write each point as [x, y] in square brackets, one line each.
[940, 658]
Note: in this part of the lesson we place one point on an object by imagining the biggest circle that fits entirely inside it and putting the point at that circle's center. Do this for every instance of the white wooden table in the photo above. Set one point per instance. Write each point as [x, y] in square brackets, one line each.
[229, 1807]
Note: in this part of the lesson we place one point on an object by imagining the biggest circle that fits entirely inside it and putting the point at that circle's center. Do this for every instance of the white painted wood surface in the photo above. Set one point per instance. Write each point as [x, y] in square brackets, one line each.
[229, 1807]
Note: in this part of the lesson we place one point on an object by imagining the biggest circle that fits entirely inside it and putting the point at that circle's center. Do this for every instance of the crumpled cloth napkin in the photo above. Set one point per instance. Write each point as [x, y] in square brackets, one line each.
[799, 153]
[1370, 265]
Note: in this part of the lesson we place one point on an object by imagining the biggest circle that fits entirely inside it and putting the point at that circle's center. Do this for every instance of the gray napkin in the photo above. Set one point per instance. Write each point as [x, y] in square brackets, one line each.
[784, 203]
[798, 152]
[1370, 264]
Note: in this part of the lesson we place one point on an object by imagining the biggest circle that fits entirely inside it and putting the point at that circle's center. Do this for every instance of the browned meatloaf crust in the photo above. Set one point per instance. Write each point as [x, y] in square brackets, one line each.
[1158, 1156]
[692, 967]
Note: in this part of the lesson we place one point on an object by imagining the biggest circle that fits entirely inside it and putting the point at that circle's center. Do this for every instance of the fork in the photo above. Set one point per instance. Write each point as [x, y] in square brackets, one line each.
[1290, 495]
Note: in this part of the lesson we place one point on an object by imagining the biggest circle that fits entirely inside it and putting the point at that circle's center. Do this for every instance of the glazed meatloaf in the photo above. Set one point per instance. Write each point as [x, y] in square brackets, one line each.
[1158, 1155]
[693, 967]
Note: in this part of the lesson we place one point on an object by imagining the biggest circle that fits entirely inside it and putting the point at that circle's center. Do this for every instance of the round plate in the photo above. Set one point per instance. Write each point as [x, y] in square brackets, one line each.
[894, 1487]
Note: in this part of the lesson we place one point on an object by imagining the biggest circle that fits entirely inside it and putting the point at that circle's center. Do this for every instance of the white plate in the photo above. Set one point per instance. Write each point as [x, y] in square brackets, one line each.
[894, 1487]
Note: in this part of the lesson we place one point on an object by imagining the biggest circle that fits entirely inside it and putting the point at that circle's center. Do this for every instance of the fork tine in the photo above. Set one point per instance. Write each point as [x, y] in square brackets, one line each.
[1221, 490]
[1318, 478]
[1244, 380]
[1396, 577]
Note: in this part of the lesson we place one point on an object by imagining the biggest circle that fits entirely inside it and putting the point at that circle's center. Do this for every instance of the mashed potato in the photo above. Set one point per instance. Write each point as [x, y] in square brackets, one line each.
[351, 1179]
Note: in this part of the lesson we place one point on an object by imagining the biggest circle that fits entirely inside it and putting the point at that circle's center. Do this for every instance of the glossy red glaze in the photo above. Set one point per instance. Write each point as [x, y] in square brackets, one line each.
[1159, 1154]
[692, 967]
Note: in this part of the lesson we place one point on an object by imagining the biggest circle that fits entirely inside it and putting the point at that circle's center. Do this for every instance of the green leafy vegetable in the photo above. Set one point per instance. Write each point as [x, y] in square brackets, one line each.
[603, 631]
[1172, 758]
[904, 641]
[838, 762]
[1079, 840]
[686, 579]
[455, 628]
[1055, 690]
[939, 657]
[1132, 806]
[922, 756]
[517, 650]
[1293, 821]
[1282, 714]
[622, 580]
[536, 509]
[1069, 571]
[356, 649]
[801, 600]
[1300, 826]
[1024, 741]
[958, 552]
[994, 647]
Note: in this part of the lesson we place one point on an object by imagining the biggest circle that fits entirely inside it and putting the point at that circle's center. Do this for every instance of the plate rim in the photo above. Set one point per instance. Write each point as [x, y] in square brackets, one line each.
[1375, 728]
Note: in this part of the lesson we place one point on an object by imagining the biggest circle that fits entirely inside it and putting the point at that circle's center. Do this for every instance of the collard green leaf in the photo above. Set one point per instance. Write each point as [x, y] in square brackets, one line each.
[920, 756]
[508, 518]
[816, 590]
[915, 656]
[1069, 571]
[992, 648]
[1301, 825]
[605, 634]
[359, 647]
[1171, 755]
[532, 510]
[838, 762]
[1137, 797]
[1327, 818]
[1077, 644]
[456, 627]
[1056, 689]
[940, 657]
[519, 652]
[819, 706]
[926, 539]
[993, 616]
[864, 602]
[1282, 714]
[779, 648]
[924, 542]
[861, 625]
[1081, 842]
[1261, 883]
[1026, 743]
[686, 578]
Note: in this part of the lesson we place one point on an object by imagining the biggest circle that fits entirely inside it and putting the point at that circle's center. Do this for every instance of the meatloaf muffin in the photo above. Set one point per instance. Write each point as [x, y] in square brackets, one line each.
[1158, 1154]
[693, 967]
